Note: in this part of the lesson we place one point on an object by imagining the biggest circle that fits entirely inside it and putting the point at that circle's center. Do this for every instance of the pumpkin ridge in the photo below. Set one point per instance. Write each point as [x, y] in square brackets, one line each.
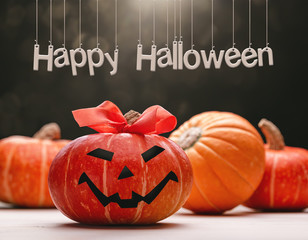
[296, 195]
[223, 140]
[299, 183]
[209, 120]
[107, 208]
[233, 146]
[304, 169]
[173, 150]
[202, 194]
[138, 215]
[272, 182]
[42, 170]
[205, 198]
[65, 182]
[230, 165]
[219, 178]
[239, 130]
[197, 124]
[238, 127]
[212, 121]
[8, 192]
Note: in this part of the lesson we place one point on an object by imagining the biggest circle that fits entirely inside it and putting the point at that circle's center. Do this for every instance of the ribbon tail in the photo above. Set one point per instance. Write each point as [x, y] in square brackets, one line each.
[104, 118]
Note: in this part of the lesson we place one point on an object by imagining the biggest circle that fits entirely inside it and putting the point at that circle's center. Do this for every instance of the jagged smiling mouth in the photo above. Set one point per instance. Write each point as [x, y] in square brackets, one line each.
[136, 198]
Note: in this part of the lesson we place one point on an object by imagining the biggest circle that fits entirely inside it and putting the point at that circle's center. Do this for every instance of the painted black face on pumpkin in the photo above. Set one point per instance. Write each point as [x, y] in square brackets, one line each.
[126, 173]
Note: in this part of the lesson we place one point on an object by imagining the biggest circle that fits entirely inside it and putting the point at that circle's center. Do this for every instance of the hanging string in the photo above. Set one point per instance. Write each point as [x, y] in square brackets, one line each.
[36, 22]
[180, 19]
[64, 31]
[154, 22]
[174, 19]
[80, 44]
[266, 23]
[50, 22]
[116, 24]
[167, 44]
[192, 23]
[250, 24]
[97, 43]
[233, 30]
[213, 25]
[139, 40]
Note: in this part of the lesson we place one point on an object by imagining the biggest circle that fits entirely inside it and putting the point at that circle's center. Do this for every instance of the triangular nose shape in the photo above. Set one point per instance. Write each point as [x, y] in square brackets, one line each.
[126, 173]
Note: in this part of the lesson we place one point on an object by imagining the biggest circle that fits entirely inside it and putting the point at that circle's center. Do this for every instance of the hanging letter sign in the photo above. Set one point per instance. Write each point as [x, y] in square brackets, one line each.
[175, 57]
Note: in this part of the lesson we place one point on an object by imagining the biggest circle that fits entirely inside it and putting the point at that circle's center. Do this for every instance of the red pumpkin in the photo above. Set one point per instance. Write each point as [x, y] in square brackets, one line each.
[126, 174]
[24, 166]
[285, 182]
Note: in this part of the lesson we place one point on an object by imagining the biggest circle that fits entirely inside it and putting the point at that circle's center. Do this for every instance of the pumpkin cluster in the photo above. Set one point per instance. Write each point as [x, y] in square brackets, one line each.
[128, 174]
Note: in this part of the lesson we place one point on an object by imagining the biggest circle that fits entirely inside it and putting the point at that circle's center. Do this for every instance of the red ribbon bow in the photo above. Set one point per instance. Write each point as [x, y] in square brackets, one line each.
[108, 118]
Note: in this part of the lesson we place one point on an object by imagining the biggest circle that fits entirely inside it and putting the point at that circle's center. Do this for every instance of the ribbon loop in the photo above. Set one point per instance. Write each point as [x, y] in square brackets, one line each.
[108, 118]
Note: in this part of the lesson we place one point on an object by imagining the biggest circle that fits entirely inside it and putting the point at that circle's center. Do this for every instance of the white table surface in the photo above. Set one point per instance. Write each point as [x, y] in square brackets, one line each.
[240, 223]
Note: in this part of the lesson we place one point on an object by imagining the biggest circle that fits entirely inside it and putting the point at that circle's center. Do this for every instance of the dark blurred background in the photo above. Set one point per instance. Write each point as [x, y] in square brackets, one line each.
[30, 99]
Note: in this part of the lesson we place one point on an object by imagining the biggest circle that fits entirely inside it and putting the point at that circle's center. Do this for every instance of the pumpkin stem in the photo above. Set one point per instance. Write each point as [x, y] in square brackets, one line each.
[272, 134]
[49, 131]
[132, 116]
[189, 137]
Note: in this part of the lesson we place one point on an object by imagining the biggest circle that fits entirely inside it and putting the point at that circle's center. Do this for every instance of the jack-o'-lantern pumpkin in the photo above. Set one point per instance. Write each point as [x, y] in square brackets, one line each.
[125, 174]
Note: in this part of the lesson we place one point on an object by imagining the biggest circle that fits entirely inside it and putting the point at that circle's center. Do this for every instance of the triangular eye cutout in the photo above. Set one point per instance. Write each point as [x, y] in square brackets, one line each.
[151, 153]
[102, 154]
[126, 173]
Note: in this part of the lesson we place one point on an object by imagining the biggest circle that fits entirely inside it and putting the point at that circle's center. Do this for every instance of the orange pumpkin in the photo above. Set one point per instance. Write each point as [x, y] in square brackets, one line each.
[227, 156]
[24, 166]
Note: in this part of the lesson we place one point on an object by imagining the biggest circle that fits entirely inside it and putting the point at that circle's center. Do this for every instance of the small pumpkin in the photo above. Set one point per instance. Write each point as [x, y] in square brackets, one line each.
[227, 156]
[125, 174]
[24, 166]
[285, 182]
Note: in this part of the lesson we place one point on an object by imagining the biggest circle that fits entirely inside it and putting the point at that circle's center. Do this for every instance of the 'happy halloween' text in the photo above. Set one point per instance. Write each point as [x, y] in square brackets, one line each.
[162, 58]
